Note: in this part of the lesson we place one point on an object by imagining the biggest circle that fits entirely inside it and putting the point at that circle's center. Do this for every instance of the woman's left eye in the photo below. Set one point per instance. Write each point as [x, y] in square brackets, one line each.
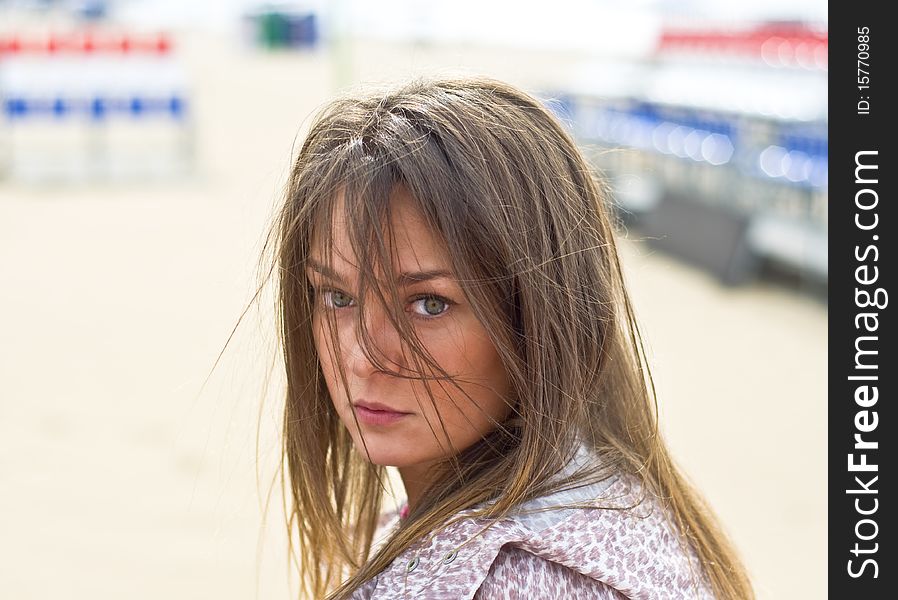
[430, 306]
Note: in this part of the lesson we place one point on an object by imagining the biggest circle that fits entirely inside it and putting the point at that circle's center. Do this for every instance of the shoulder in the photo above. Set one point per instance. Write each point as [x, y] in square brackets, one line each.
[623, 548]
[515, 572]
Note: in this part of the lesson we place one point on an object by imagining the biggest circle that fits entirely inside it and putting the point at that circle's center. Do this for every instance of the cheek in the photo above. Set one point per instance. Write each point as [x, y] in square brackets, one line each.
[482, 362]
[325, 345]
[326, 357]
[321, 348]
[484, 395]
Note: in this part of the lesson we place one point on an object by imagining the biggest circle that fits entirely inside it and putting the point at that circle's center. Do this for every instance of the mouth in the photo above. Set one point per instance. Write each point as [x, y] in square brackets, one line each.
[377, 414]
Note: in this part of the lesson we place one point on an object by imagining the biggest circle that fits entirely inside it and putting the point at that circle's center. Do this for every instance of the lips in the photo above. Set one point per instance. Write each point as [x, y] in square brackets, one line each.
[377, 414]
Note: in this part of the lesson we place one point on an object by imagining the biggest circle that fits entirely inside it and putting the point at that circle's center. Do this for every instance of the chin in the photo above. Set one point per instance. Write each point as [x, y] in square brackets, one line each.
[389, 455]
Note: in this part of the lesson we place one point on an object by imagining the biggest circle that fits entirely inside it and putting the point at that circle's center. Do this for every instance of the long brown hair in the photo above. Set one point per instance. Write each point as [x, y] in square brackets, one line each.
[529, 232]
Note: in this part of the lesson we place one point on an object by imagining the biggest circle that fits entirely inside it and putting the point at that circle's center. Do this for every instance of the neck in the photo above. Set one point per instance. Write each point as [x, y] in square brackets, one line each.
[415, 479]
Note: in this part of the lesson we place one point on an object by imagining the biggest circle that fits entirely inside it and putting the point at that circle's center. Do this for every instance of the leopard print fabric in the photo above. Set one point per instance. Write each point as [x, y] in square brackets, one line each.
[616, 552]
[516, 571]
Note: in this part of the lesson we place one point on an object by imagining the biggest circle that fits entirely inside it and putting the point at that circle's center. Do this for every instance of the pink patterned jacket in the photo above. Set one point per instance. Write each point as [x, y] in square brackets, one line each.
[557, 553]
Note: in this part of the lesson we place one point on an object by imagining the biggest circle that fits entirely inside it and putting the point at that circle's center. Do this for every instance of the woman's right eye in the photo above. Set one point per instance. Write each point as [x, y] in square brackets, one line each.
[336, 299]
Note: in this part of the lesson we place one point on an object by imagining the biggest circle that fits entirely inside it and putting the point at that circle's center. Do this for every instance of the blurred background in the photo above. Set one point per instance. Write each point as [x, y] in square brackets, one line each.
[145, 144]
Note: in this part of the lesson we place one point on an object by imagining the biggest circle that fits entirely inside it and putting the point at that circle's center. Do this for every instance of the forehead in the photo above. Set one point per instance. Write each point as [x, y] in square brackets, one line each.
[411, 242]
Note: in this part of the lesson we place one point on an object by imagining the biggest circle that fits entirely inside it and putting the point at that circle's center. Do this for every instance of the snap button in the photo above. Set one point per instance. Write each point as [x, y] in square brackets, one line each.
[412, 564]
[450, 557]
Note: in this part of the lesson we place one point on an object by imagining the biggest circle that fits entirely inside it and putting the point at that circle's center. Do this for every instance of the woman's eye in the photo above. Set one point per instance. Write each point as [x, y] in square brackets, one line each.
[430, 306]
[425, 306]
[336, 299]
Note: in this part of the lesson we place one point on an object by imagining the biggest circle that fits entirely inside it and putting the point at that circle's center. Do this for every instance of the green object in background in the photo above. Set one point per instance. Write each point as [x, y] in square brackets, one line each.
[274, 30]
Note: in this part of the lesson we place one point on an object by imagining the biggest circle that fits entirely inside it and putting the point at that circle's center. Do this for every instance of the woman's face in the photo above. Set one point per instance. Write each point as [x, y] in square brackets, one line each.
[400, 425]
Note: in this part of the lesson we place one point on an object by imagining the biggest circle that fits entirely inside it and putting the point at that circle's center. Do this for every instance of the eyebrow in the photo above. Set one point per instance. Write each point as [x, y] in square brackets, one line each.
[405, 278]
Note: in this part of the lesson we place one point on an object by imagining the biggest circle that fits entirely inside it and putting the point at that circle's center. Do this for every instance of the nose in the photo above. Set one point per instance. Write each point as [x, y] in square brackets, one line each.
[381, 340]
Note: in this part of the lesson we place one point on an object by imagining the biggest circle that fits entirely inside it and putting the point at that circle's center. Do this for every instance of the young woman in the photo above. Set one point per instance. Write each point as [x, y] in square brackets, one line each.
[451, 304]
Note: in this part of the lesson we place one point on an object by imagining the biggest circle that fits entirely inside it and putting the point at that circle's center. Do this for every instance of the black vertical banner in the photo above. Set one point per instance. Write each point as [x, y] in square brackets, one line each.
[862, 272]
